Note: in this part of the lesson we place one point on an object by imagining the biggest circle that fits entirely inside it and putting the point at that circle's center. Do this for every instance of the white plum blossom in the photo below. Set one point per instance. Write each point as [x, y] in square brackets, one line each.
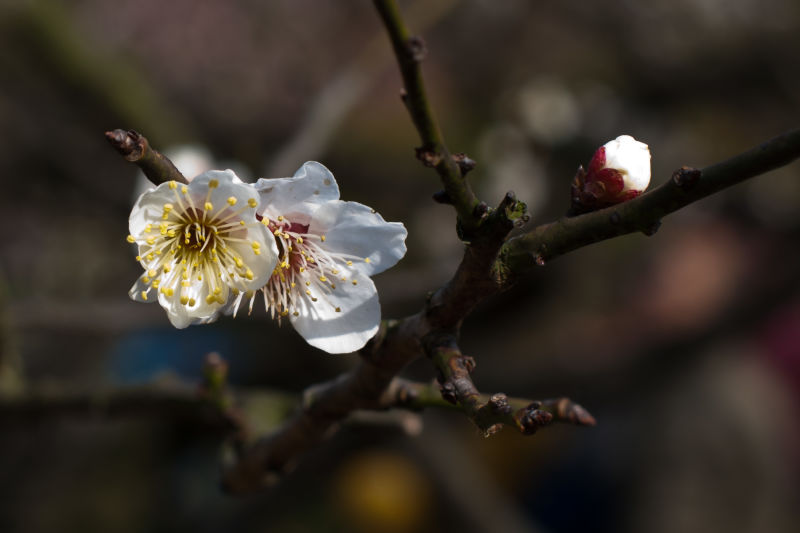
[618, 171]
[200, 245]
[328, 249]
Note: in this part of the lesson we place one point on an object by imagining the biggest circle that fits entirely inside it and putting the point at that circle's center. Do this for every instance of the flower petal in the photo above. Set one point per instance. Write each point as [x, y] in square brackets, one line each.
[347, 330]
[632, 159]
[353, 229]
[311, 185]
[148, 208]
[139, 289]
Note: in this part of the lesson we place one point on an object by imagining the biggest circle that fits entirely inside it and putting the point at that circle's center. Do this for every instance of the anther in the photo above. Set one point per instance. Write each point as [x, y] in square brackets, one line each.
[232, 200]
[130, 239]
[208, 206]
[252, 202]
[213, 184]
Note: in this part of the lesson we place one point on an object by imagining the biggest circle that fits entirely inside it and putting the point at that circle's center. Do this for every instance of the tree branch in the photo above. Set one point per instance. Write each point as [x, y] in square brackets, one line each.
[433, 153]
[645, 212]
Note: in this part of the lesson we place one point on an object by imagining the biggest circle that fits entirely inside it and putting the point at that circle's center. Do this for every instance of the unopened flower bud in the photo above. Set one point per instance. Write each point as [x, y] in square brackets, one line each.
[618, 171]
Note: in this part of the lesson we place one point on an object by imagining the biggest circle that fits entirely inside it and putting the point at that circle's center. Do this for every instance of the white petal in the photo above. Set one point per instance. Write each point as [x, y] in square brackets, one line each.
[201, 312]
[356, 230]
[345, 331]
[262, 264]
[139, 288]
[228, 185]
[311, 185]
[149, 207]
[632, 159]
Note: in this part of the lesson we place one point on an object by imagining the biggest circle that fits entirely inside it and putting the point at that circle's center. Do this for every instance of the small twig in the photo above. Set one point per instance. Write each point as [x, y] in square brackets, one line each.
[176, 400]
[135, 148]
[433, 152]
[491, 412]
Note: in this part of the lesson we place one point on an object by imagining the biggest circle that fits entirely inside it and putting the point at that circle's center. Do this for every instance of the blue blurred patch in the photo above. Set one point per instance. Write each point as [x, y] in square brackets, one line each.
[142, 356]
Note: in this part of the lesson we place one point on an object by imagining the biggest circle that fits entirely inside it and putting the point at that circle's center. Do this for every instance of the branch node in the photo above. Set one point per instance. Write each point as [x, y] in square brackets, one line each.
[686, 177]
[464, 163]
[130, 144]
[491, 430]
[416, 48]
[481, 210]
[652, 228]
[468, 363]
[499, 403]
[441, 197]
[448, 391]
[530, 420]
[428, 156]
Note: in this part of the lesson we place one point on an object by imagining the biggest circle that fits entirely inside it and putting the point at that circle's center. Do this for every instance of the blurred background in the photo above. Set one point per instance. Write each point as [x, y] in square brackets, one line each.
[684, 345]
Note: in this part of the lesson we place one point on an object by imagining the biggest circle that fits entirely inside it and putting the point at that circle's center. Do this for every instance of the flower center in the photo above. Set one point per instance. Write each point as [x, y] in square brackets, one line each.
[192, 250]
[305, 270]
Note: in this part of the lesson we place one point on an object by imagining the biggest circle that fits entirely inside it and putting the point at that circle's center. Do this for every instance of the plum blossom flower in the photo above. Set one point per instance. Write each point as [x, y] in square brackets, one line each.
[328, 249]
[618, 171]
[200, 245]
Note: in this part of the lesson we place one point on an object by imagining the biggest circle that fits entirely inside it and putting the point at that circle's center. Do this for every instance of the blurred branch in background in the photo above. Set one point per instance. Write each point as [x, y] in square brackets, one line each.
[339, 96]
[90, 73]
